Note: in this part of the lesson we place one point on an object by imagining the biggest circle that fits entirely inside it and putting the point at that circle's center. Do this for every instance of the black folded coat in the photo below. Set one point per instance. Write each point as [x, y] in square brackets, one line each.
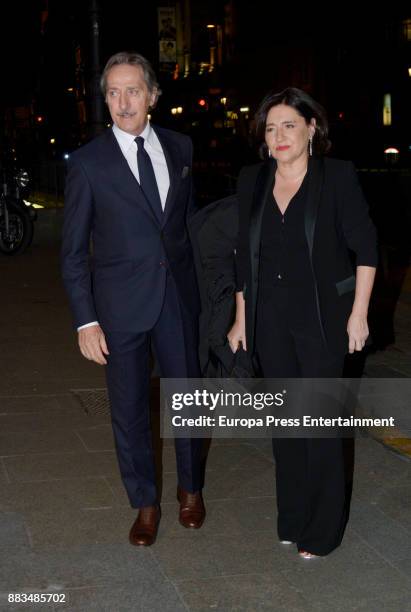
[214, 231]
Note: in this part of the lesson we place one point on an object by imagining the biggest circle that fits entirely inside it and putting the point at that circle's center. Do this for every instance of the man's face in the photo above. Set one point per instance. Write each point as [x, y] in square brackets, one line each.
[128, 98]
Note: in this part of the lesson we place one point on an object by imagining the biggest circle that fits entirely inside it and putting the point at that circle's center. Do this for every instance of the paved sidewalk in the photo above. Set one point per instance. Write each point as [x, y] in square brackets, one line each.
[64, 518]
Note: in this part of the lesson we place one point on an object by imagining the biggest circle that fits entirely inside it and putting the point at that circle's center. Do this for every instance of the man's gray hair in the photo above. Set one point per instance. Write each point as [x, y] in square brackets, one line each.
[133, 59]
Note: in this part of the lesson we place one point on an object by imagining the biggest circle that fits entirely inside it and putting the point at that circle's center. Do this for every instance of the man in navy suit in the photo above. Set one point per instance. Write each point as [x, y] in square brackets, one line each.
[129, 192]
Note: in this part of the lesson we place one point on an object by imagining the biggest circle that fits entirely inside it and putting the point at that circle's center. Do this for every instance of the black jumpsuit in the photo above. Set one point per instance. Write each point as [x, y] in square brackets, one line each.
[309, 472]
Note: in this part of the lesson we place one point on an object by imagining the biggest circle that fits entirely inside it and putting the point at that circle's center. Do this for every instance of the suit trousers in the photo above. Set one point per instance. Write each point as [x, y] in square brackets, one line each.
[174, 341]
[310, 473]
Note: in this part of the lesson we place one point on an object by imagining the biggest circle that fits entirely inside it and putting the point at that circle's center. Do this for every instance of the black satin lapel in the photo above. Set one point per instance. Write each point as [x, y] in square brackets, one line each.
[116, 166]
[315, 186]
[171, 153]
[264, 183]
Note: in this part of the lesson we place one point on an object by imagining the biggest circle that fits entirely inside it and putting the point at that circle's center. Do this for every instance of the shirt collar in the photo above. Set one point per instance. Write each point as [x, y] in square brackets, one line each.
[126, 140]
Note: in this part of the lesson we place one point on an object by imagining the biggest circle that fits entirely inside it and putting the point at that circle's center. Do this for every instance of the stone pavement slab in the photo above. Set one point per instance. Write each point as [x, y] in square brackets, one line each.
[97, 565]
[52, 466]
[56, 495]
[388, 537]
[13, 531]
[143, 596]
[23, 443]
[244, 592]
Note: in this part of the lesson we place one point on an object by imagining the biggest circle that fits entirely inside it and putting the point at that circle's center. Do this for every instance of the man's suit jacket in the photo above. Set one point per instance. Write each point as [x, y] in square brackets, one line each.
[122, 283]
[336, 223]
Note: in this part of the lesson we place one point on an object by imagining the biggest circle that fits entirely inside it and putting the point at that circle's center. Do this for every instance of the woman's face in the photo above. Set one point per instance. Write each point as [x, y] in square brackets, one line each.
[287, 133]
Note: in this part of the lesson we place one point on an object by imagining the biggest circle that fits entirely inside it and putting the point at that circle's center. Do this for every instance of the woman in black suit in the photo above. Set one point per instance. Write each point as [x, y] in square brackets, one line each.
[299, 306]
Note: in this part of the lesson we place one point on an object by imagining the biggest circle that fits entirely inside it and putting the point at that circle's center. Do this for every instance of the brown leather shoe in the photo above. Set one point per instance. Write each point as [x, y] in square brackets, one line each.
[144, 529]
[192, 510]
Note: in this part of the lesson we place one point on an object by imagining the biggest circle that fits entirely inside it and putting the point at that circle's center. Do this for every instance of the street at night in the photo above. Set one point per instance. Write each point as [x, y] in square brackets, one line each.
[131, 252]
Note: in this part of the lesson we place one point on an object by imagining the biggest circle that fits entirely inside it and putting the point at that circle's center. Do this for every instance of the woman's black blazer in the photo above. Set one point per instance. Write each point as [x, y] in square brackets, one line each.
[336, 222]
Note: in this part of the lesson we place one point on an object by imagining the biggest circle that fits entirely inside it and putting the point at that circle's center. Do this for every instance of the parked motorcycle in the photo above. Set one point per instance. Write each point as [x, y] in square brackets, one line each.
[17, 215]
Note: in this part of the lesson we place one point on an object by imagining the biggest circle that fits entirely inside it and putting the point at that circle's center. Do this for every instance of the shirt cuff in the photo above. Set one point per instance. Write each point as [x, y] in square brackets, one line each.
[88, 325]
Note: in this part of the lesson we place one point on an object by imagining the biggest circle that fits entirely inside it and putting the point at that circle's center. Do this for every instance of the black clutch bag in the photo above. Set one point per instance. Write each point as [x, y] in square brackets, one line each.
[226, 364]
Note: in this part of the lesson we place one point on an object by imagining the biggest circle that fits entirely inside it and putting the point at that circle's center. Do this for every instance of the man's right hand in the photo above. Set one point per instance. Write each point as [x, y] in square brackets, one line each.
[92, 343]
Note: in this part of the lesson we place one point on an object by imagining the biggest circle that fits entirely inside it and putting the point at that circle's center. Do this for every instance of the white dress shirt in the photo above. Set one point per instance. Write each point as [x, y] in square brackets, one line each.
[155, 151]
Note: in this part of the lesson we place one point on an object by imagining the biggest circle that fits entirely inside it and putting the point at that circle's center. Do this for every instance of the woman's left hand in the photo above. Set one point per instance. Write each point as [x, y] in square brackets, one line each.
[357, 329]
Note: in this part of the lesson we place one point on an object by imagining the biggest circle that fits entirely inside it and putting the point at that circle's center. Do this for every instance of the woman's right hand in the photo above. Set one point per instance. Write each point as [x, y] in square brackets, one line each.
[237, 335]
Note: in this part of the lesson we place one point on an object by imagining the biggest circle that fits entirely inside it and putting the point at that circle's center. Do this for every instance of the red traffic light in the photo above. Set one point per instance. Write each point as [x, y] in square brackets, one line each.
[202, 102]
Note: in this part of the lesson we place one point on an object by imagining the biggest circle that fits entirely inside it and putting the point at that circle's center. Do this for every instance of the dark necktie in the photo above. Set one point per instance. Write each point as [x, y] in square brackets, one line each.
[148, 181]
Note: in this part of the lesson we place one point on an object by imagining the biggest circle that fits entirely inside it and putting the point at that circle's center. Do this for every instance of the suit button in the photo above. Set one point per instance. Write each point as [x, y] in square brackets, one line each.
[279, 276]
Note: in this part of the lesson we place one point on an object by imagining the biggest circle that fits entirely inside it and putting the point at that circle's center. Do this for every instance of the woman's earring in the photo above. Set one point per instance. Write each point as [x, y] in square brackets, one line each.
[311, 146]
[269, 153]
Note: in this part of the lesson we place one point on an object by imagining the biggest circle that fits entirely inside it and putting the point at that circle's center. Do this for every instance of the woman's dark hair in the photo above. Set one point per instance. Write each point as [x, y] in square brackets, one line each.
[305, 106]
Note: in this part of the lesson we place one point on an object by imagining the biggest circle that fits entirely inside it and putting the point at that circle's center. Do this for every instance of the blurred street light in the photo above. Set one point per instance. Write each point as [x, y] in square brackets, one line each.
[391, 155]
[386, 110]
